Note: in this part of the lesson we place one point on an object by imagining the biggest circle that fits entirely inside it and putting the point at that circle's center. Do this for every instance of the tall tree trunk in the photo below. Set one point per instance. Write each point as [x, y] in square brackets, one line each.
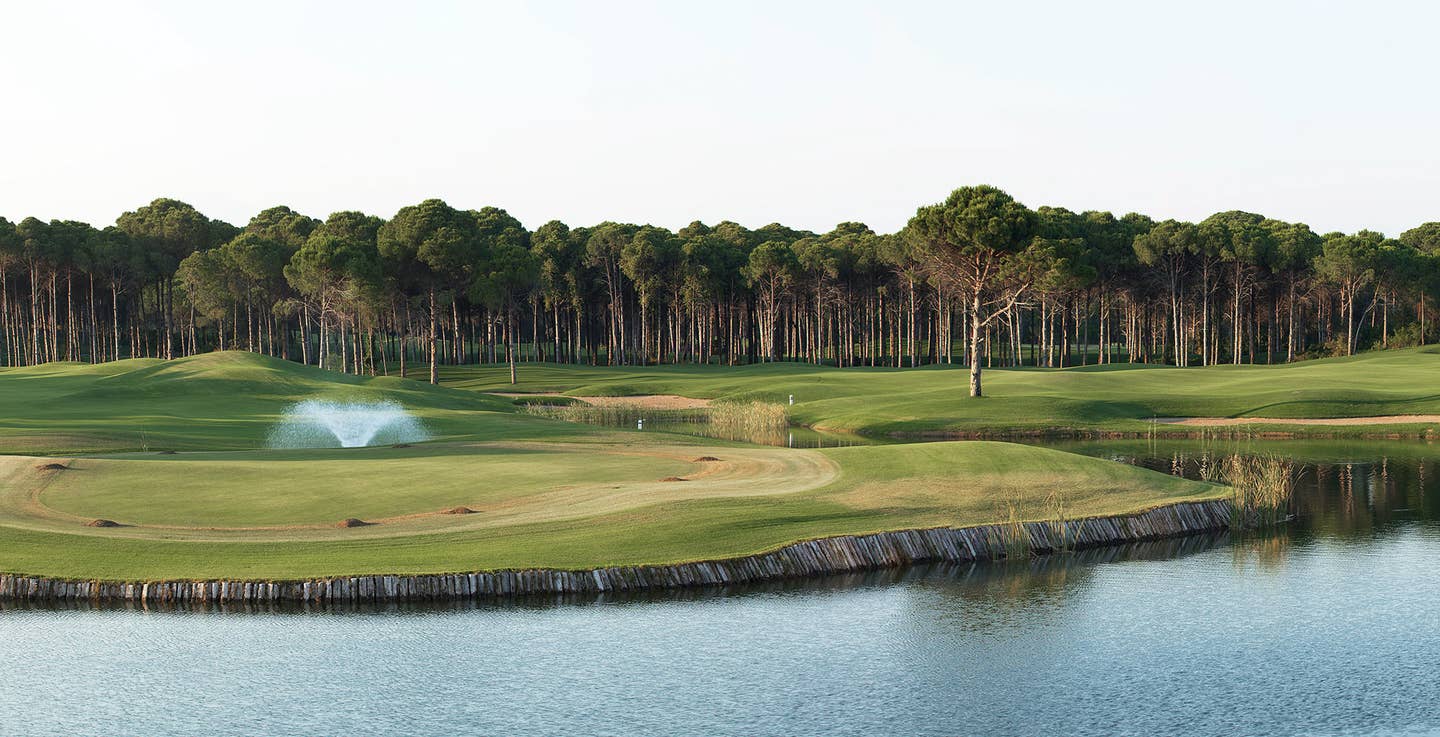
[115, 319]
[404, 338]
[975, 390]
[511, 347]
[1290, 345]
[165, 304]
[434, 329]
[1350, 324]
[1235, 318]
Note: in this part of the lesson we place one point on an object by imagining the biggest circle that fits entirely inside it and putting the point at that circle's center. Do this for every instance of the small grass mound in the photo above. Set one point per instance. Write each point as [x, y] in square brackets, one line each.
[457, 510]
[102, 523]
[672, 478]
[52, 467]
[705, 459]
[352, 522]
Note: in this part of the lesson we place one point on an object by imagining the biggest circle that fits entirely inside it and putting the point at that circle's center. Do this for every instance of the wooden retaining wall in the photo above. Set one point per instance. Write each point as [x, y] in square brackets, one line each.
[811, 558]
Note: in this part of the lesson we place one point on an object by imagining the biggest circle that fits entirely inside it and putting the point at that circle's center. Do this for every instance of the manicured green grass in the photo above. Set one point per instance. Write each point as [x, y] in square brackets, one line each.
[1120, 398]
[874, 488]
[323, 487]
[215, 401]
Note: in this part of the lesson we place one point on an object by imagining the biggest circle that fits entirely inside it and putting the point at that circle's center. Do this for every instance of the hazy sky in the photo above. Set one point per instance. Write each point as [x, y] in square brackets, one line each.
[803, 113]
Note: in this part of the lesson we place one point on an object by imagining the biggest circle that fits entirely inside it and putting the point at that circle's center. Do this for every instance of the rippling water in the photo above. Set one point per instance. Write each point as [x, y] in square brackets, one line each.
[1331, 628]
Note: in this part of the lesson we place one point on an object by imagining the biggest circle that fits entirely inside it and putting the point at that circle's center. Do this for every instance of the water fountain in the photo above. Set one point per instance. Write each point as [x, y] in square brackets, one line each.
[319, 423]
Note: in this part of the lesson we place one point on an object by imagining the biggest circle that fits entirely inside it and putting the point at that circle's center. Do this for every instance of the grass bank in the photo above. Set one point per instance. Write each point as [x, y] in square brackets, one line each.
[617, 513]
[1119, 399]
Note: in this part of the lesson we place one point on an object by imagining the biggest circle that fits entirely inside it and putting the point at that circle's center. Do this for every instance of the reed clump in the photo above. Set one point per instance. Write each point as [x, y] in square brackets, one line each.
[612, 415]
[1210, 467]
[759, 422]
[1261, 489]
[1058, 522]
[1010, 534]
[753, 422]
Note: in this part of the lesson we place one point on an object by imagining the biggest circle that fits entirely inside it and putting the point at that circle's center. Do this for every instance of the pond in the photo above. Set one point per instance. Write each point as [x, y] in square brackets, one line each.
[1329, 627]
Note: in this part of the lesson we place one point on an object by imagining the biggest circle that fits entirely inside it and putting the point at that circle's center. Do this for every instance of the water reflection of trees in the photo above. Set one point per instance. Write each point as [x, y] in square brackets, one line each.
[1344, 489]
[988, 595]
[1264, 551]
[1354, 499]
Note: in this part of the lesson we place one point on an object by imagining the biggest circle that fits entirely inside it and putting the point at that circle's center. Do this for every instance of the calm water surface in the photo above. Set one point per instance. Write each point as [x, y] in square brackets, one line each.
[1331, 628]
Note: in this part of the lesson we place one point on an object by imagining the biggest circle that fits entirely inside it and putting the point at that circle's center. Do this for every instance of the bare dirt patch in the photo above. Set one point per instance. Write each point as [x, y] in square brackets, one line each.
[457, 510]
[52, 467]
[705, 459]
[1319, 421]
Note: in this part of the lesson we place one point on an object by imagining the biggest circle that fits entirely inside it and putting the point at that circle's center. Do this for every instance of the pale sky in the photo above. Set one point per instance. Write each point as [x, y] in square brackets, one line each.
[804, 113]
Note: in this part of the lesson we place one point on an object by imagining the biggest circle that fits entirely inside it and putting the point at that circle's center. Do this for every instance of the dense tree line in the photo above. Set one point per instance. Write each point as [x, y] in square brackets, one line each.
[978, 279]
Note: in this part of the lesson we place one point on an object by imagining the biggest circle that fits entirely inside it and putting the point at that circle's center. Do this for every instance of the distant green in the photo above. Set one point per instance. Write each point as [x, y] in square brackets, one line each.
[1117, 397]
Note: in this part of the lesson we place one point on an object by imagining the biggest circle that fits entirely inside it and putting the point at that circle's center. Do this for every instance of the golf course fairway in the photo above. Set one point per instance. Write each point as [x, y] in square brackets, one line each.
[150, 470]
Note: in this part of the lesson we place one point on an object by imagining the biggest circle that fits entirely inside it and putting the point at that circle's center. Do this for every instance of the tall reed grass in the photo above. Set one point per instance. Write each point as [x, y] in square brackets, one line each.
[1057, 520]
[763, 423]
[1261, 489]
[1010, 534]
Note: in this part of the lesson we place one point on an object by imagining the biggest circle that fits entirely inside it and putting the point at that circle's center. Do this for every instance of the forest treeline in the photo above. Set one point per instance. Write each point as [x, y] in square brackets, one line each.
[979, 276]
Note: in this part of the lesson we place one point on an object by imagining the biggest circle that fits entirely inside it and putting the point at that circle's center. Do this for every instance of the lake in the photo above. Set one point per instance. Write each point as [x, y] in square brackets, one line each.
[1330, 627]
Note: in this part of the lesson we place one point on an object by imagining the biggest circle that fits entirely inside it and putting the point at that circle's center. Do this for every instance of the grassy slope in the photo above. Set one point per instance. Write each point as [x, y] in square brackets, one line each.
[1117, 397]
[216, 401]
[878, 488]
